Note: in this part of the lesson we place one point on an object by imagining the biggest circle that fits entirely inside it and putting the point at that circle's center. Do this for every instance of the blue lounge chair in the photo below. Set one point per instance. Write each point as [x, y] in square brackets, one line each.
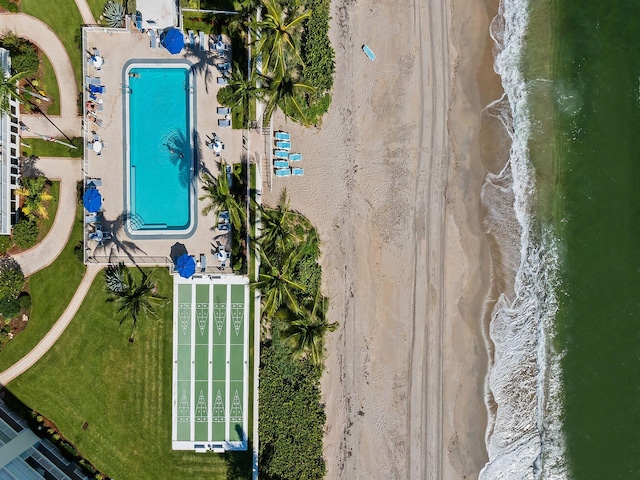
[283, 145]
[298, 172]
[281, 154]
[223, 122]
[192, 38]
[295, 157]
[368, 52]
[283, 172]
[224, 214]
[139, 21]
[202, 42]
[224, 67]
[96, 88]
[225, 227]
[282, 136]
[281, 164]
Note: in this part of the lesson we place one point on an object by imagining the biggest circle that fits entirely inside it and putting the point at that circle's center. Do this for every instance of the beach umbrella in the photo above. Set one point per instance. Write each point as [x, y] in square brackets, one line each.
[177, 250]
[173, 40]
[186, 266]
[92, 200]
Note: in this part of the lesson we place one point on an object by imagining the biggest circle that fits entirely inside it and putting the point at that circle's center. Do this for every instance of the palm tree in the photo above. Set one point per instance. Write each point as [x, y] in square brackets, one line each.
[34, 197]
[137, 297]
[240, 91]
[275, 282]
[277, 35]
[305, 334]
[284, 91]
[218, 192]
[8, 89]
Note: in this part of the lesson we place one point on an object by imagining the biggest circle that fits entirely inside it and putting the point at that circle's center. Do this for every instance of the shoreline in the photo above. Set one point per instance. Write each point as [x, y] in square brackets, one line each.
[393, 186]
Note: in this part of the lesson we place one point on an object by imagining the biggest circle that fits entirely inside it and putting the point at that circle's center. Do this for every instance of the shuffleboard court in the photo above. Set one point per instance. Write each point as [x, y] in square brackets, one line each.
[211, 358]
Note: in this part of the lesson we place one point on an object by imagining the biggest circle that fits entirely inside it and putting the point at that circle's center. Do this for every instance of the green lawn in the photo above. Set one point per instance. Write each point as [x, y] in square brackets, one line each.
[45, 148]
[122, 389]
[51, 291]
[50, 86]
[97, 7]
[64, 19]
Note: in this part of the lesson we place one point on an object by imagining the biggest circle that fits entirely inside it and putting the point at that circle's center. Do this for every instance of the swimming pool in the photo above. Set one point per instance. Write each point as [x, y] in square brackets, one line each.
[160, 198]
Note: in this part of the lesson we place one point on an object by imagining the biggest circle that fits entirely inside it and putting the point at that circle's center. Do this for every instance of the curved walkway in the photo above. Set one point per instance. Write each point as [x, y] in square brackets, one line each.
[52, 335]
[69, 172]
[85, 12]
[41, 35]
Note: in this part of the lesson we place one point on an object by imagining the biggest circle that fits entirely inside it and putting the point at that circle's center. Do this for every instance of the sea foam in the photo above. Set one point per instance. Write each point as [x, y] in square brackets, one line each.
[524, 385]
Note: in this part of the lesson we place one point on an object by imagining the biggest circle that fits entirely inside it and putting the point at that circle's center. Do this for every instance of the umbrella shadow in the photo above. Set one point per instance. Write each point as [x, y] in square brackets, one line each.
[177, 250]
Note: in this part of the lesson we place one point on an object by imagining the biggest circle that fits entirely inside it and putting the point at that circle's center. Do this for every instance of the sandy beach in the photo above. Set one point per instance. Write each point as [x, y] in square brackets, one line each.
[392, 181]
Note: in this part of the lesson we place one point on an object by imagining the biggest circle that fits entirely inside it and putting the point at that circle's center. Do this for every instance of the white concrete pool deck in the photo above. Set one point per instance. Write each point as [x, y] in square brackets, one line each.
[117, 48]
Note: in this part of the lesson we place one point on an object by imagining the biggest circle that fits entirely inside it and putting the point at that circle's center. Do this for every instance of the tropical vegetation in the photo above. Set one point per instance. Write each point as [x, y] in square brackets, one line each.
[9, 89]
[114, 14]
[135, 296]
[297, 61]
[34, 195]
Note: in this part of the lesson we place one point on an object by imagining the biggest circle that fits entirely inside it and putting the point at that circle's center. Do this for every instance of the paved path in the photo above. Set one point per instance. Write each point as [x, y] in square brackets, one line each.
[68, 171]
[50, 338]
[85, 12]
[41, 35]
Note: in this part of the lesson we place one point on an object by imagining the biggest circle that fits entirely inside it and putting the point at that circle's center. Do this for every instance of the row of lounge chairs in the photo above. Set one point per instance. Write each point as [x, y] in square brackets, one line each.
[283, 156]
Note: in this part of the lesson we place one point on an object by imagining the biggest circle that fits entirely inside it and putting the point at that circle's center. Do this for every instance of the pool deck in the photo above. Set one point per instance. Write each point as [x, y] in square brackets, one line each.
[117, 48]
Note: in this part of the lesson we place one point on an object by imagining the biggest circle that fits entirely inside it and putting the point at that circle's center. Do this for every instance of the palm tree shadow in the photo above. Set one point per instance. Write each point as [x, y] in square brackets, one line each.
[117, 245]
[179, 148]
[29, 167]
[199, 155]
[240, 462]
[204, 64]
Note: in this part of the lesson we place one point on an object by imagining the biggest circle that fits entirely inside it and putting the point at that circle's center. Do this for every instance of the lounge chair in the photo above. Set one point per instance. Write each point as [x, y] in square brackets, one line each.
[223, 81]
[283, 172]
[283, 154]
[295, 157]
[224, 214]
[368, 52]
[281, 164]
[91, 218]
[139, 21]
[192, 38]
[92, 80]
[224, 67]
[203, 262]
[153, 38]
[298, 172]
[202, 42]
[224, 122]
[224, 226]
[223, 110]
[94, 182]
[282, 136]
[283, 145]
[96, 88]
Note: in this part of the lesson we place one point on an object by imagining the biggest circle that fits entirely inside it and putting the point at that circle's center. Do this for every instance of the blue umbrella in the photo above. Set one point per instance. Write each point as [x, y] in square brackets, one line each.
[92, 200]
[186, 266]
[173, 40]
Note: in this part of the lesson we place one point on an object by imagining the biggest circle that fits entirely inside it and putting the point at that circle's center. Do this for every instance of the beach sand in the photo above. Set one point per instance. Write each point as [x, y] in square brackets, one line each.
[392, 182]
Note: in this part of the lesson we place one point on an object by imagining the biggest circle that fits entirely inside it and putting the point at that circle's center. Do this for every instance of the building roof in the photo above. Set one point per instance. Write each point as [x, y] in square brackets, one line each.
[158, 14]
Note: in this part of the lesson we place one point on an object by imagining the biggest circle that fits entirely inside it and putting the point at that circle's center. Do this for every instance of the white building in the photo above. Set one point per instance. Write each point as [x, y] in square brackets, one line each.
[9, 155]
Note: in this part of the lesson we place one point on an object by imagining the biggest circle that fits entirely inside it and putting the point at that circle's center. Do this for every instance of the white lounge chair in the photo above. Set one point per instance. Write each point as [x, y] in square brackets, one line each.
[224, 122]
[202, 42]
[153, 38]
[223, 110]
[223, 81]
[192, 38]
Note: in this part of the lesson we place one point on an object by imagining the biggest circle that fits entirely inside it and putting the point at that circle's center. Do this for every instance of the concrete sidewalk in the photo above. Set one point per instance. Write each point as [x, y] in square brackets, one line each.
[50, 338]
[69, 172]
[85, 12]
[41, 35]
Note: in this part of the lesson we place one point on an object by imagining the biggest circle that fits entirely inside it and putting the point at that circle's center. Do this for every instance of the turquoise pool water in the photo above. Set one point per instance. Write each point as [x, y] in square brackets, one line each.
[160, 195]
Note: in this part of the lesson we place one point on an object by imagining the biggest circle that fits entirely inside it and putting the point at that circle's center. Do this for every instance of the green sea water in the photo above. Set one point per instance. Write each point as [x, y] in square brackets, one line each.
[591, 193]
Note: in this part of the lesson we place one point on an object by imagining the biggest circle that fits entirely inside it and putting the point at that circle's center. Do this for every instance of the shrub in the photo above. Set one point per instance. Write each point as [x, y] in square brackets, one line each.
[9, 307]
[11, 278]
[25, 301]
[24, 56]
[25, 233]
[13, 8]
[114, 14]
[78, 251]
[5, 244]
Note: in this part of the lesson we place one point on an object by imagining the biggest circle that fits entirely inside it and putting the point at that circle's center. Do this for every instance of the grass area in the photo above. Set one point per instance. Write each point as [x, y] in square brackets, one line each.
[97, 7]
[122, 389]
[51, 291]
[49, 84]
[195, 21]
[45, 148]
[64, 19]
[44, 225]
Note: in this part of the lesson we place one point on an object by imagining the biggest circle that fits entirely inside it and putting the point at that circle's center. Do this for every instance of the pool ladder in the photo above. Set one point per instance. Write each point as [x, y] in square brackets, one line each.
[126, 88]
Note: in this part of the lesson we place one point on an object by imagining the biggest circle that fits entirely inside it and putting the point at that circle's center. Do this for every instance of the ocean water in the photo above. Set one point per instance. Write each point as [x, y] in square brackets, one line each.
[563, 390]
